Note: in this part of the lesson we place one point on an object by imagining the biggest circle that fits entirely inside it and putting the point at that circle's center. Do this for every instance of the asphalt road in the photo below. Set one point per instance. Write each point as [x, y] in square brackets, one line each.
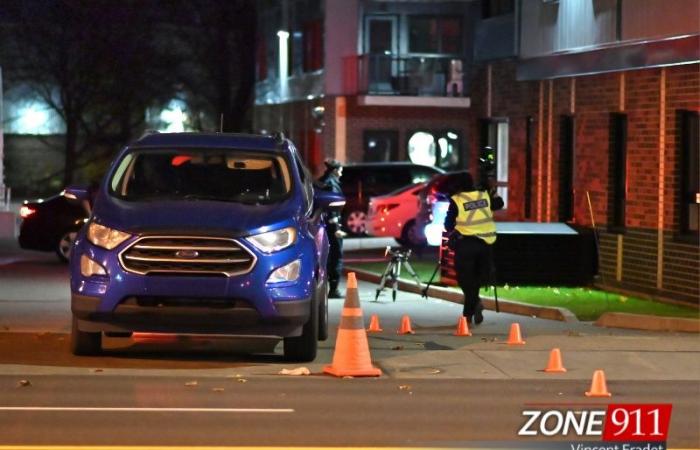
[436, 389]
[316, 410]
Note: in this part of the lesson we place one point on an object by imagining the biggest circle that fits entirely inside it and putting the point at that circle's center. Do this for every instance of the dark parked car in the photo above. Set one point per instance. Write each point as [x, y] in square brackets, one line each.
[51, 225]
[364, 180]
[204, 233]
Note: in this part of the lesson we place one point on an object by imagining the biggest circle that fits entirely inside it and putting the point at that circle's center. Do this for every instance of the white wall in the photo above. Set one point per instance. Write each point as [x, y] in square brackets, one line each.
[340, 39]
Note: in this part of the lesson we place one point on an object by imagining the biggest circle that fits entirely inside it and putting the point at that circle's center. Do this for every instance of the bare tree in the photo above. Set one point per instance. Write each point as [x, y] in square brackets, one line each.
[93, 62]
[216, 47]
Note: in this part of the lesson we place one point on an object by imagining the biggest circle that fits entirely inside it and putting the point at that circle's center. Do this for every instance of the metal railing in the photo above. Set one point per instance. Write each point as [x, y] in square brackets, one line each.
[377, 74]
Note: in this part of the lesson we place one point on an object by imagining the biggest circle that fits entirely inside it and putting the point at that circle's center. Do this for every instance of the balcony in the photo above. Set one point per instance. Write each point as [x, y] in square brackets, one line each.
[407, 80]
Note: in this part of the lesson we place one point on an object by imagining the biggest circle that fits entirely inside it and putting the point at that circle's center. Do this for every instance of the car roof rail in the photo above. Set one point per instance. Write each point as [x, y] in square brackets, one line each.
[279, 137]
[149, 131]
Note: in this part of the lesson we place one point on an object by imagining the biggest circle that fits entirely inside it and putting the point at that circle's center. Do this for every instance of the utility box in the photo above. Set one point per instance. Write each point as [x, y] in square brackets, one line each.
[528, 253]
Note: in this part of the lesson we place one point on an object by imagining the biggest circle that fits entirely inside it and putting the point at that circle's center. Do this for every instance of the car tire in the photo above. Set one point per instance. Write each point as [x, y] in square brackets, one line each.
[64, 245]
[303, 348]
[83, 343]
[411, 235]
[356, 222]
[323, 311]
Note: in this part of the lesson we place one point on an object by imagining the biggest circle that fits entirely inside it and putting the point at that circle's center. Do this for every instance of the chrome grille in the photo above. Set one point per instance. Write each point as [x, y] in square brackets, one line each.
[186, 255]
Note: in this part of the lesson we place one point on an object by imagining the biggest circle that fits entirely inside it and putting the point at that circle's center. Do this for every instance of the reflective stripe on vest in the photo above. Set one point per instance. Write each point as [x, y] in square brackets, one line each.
[474, 216]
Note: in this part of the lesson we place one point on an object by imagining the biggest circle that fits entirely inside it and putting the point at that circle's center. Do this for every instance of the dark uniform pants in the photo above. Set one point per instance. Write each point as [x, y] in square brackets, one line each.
[335, 259]
[473, 263]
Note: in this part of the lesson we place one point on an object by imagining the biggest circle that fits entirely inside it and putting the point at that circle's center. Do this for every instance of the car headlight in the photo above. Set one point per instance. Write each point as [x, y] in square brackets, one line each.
[105, 237]
[273, 241]
[287, 273]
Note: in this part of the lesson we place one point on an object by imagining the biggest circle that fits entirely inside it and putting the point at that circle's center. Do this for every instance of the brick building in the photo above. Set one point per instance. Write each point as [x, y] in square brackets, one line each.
[592, 108]
[606, 112]
[367, 80]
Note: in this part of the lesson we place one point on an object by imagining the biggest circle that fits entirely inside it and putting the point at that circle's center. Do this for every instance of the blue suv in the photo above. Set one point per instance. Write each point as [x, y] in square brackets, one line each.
[207, 234]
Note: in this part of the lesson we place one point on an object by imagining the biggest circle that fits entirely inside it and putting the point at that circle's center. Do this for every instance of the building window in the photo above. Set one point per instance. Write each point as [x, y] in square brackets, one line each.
[690, 173]
[566, 168]
[529, 133]
[494, 133]
[432, 34]
[380, 145]
[617, 171]
[493, 8]
[313, 46]
[435, 148]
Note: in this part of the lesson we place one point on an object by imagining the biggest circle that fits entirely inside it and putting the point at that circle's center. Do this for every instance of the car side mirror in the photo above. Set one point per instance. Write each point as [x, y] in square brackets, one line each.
[79, 195]
[328, 201]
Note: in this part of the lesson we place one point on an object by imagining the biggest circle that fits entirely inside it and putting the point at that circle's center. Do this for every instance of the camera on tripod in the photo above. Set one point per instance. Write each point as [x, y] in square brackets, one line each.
[399, 258]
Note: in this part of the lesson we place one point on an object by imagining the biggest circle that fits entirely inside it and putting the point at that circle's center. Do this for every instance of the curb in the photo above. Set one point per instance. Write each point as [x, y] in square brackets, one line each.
[645, 322]
[507, 306]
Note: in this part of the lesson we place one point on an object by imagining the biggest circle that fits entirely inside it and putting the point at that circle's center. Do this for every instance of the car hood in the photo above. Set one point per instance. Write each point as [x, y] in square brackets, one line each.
[208, 217]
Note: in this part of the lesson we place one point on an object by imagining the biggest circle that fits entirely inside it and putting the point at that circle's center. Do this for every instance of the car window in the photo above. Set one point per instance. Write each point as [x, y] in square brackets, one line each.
[206, 174]
[306, 181]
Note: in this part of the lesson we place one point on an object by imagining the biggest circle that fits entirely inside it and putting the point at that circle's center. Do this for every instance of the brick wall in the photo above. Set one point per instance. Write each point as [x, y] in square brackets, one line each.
[631, 261]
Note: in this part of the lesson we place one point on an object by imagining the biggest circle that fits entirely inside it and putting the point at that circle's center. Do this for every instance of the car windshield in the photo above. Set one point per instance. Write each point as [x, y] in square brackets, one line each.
[241, 176]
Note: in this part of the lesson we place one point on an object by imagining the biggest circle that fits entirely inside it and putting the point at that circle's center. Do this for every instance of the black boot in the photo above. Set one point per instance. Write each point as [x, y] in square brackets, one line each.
[479, 315]
[334, 292]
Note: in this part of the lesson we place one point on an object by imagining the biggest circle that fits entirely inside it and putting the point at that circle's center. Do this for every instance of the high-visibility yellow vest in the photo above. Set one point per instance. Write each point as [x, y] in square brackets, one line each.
[474, 216]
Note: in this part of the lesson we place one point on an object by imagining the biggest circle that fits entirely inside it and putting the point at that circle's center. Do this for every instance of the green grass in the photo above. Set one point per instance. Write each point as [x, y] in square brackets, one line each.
[585, 303]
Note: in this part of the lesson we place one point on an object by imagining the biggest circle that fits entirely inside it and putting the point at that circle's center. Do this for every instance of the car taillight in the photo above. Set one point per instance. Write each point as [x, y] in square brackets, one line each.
[26, 211]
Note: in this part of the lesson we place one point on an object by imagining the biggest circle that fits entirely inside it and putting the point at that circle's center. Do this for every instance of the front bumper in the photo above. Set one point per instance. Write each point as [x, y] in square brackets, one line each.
[242, 305]
[133, 314]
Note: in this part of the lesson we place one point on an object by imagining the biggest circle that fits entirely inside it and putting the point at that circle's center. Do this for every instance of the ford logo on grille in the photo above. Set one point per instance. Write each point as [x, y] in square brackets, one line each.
[187, 254]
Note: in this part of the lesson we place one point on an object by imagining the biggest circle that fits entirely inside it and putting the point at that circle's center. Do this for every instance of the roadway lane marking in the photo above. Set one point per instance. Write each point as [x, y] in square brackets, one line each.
[115, 409]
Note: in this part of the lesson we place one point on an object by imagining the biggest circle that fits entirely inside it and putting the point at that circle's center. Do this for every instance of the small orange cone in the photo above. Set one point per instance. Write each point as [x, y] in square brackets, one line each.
[462, 327]
[514, 337]
[374, 324]
[351, 356]
[599, 387]
[555, 365]
[406, 326]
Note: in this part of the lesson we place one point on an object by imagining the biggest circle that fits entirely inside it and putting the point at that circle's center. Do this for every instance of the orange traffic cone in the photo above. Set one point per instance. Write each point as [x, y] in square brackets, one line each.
[514, 337]
[374, 324]
[351, 356]
[406, 326]
[599, 387]
[555, 365]
[462, 327]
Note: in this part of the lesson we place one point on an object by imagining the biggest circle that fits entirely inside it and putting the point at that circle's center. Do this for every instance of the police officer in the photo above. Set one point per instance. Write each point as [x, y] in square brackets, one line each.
[470, 220]
[330, 180]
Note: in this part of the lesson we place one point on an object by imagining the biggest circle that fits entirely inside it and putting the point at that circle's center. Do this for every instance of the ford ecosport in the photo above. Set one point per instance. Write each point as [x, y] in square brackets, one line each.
[206, 234]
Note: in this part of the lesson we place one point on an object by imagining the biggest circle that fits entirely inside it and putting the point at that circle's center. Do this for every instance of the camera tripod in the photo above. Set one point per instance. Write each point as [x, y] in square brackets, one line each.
[393, 271]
